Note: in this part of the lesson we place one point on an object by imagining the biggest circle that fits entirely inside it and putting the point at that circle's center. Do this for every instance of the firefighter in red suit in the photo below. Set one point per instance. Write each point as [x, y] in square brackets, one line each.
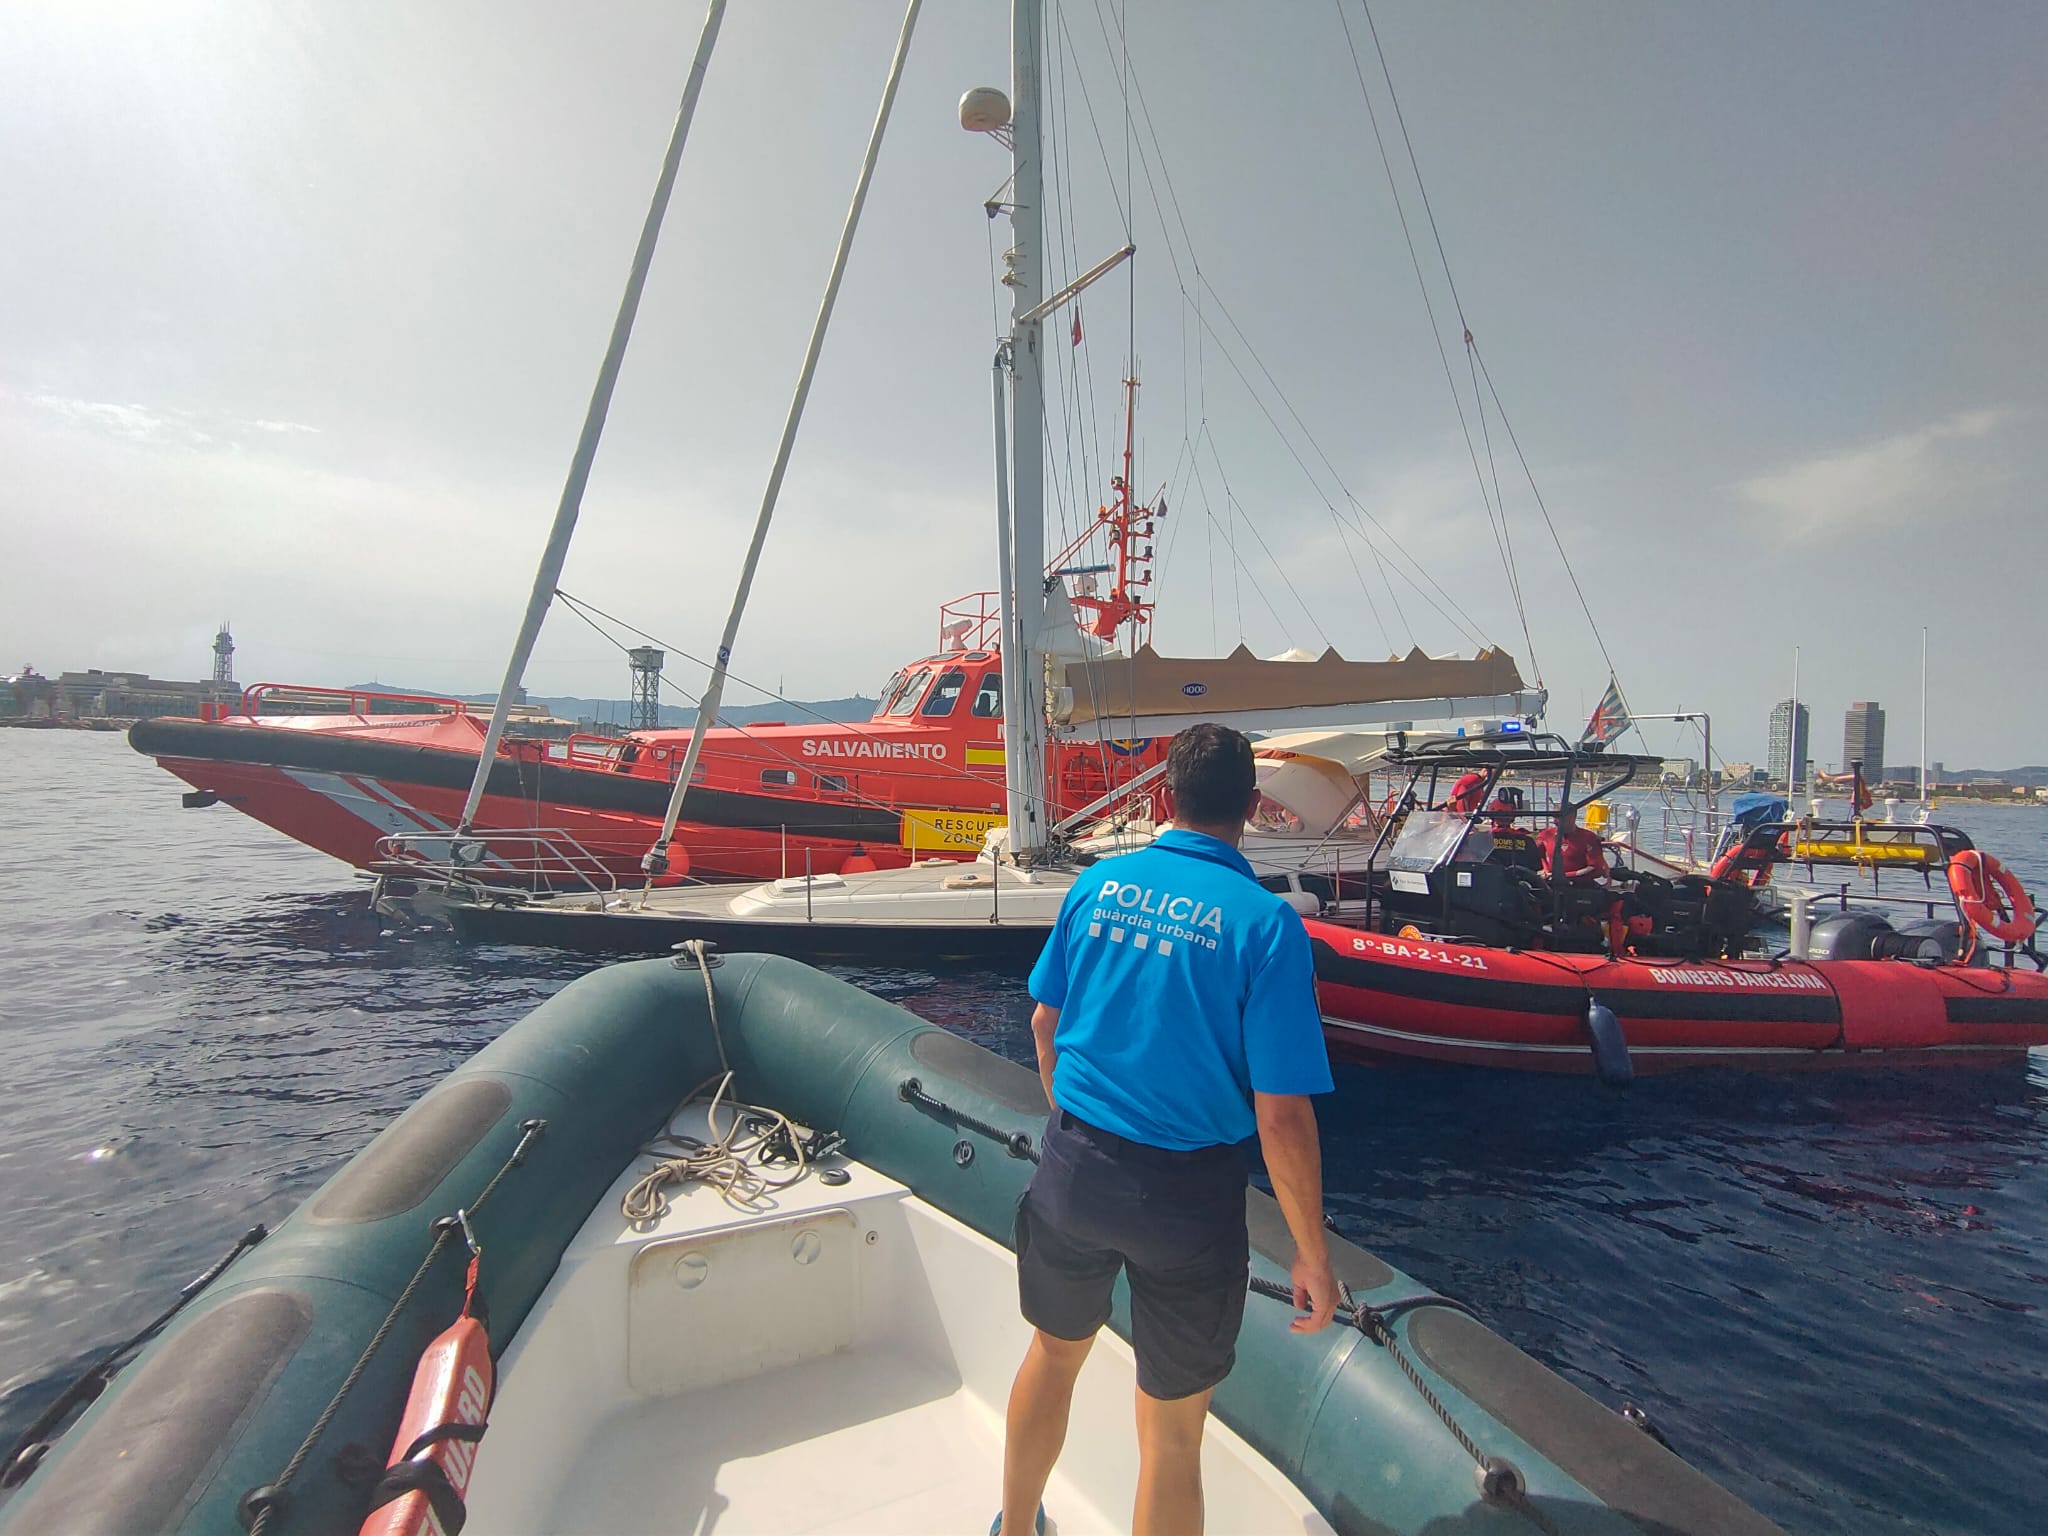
[1466, 794]
[1568, 849]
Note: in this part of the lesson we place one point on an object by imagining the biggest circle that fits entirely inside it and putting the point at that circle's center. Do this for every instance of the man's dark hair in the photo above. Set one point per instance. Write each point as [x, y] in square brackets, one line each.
[1210, 770]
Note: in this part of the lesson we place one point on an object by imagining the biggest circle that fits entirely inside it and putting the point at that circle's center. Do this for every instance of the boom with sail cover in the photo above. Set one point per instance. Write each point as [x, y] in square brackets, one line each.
[1146, 694]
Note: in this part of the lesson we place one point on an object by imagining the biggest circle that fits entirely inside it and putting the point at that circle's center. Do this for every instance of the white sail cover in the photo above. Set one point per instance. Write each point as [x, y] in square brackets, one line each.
[1148, 694]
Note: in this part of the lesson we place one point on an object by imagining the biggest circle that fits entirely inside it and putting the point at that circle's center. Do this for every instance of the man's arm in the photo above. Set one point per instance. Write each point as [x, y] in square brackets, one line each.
[1294, 1162]
[1044, 1023]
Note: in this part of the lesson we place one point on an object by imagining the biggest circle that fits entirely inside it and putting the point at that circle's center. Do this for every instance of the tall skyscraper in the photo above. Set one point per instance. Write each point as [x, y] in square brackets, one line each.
[1787, 761]
[1863, 739]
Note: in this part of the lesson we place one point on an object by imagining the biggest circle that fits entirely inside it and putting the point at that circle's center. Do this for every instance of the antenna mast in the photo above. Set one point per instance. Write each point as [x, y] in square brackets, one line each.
[1130, 525]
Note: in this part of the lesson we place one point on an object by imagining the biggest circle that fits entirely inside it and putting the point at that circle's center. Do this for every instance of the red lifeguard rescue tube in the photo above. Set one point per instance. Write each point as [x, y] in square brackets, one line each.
[1388, 997]
[435, 1451]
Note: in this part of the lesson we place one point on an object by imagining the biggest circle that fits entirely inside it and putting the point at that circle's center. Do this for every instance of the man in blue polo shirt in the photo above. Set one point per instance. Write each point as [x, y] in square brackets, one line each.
[1176, 1019]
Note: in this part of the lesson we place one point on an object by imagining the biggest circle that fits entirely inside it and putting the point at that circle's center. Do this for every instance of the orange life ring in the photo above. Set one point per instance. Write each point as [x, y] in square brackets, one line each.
[1725, 869]
[1991, 896]
[437, 1439]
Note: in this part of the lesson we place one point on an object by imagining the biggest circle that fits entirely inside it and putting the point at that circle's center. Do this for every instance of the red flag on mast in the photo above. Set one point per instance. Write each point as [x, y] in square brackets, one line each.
[1077, 325]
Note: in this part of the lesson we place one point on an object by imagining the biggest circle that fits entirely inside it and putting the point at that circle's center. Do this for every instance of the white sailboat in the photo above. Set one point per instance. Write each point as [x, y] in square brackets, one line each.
[1001, 904]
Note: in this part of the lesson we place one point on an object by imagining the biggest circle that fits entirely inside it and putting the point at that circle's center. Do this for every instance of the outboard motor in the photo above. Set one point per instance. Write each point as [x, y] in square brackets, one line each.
[1867, 936]
[1940, 940]
[1849, 936]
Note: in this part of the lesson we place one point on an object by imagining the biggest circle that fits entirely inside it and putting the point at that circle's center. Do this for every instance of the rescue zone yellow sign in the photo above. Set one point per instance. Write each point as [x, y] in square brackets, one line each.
[947, 831]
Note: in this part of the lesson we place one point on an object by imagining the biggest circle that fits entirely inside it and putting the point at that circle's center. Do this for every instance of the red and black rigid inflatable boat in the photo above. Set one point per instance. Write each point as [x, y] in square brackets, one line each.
[1384, 996]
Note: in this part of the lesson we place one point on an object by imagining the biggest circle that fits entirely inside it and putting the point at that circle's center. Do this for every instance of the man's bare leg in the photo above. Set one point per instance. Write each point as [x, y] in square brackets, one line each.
[1170, 1465]
[1036, 1426]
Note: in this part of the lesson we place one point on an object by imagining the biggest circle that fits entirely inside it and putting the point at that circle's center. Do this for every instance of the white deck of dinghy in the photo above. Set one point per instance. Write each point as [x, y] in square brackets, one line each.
[837, 1362]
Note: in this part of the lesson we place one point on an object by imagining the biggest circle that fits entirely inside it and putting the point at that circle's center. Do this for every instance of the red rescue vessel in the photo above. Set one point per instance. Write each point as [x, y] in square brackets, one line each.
[379, 780]
[1474, 945]
[363, 775]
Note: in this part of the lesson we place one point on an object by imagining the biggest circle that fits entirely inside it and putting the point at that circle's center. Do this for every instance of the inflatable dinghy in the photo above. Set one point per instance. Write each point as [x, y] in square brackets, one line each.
[508, 1314]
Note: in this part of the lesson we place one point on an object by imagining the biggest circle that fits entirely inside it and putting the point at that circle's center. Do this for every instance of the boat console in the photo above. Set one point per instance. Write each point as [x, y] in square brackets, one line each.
[1464, 857]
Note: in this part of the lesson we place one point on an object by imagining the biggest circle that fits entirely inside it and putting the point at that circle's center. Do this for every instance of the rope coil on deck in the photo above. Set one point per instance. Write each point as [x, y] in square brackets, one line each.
[734, 1160]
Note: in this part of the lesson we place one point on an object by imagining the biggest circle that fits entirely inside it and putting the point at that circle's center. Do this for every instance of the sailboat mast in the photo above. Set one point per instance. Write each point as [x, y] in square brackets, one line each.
[1792, 733]
[1023, 631]
[571, 505]
[1923, 714]
[655, 861]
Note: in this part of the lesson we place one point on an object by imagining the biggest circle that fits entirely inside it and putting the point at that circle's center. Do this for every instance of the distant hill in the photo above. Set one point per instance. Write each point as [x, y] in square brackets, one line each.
[614, 711]
[795, 712]
[2034, 776]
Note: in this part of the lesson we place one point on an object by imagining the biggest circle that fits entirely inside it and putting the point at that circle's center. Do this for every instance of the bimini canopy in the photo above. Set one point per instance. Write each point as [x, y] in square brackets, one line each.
[1162, 693]
[1315, 774]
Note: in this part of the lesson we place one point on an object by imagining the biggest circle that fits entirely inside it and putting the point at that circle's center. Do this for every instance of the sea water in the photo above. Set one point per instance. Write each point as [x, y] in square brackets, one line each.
[1824, 1289]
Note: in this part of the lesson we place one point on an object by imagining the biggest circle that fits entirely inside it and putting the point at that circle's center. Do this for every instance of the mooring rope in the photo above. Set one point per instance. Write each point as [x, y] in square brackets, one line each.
[734, 1161]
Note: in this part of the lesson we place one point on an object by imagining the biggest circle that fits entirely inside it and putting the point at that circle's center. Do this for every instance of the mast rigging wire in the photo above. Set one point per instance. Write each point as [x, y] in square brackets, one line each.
[1134, 90]
[707, 709]
[570, 507]
[1496, 519]
[1195, 298]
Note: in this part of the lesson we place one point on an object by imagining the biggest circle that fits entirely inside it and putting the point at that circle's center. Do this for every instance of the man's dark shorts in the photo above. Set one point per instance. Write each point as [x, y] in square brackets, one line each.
[1175, 1220]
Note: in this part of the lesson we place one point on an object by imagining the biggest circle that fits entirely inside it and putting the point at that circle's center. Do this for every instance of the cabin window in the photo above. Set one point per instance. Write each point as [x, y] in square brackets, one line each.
[945, 694]
[832, 783]
[778, 778]
[988, 698]
[888, 695]
[908, 695]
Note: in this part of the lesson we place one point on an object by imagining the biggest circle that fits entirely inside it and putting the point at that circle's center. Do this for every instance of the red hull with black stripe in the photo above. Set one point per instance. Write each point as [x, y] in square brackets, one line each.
[1384, 997]
[924, 777]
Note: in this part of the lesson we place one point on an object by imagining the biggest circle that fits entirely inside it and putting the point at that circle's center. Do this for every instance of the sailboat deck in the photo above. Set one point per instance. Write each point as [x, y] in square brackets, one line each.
[835, 1360]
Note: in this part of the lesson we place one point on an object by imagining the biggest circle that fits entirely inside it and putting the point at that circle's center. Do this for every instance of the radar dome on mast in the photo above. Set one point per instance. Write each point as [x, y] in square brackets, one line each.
[985, 109]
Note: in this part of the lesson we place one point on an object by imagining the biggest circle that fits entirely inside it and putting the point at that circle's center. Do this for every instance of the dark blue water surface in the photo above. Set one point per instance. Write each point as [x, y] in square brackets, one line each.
[1825, 1289]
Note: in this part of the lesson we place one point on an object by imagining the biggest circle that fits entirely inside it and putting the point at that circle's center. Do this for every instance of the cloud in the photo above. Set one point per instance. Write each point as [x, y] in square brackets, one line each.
[136, 422]
[1883, 484]
[168, 427]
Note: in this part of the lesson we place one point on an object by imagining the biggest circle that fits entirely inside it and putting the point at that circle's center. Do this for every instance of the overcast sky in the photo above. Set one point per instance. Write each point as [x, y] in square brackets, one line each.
[300, 306]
